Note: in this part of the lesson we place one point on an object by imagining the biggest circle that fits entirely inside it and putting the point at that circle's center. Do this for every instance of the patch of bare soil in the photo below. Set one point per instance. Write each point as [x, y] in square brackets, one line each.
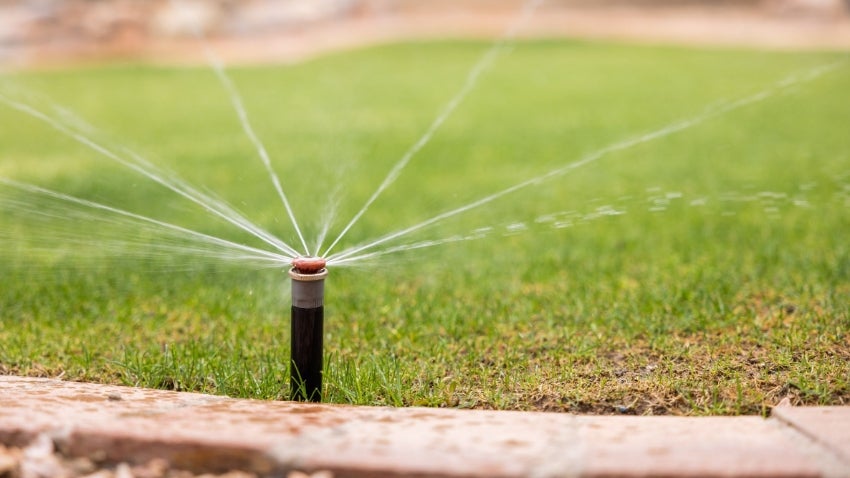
[138, 35]
[690, 26]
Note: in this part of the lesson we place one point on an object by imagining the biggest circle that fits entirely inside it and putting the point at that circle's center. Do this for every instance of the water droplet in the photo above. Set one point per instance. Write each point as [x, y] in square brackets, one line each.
[480, 233]
[516, 227]
[772, 195]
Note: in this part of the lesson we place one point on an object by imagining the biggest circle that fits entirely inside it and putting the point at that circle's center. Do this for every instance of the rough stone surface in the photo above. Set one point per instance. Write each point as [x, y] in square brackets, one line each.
[202, 433]
[829, 426]
[675, 446]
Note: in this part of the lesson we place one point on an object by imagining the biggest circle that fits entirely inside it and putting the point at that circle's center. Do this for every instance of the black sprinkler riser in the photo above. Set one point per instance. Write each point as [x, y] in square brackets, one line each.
[307, 327]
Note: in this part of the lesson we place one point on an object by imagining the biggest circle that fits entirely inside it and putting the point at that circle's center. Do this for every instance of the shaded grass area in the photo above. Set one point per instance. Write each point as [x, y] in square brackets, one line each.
[706, 272]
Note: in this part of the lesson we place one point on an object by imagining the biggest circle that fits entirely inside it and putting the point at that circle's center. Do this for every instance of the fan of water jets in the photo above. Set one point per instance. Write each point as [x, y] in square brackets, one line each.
[57, 207]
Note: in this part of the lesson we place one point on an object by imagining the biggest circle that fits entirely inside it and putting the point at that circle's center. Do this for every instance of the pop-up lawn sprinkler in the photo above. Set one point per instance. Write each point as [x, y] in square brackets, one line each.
[308, 311]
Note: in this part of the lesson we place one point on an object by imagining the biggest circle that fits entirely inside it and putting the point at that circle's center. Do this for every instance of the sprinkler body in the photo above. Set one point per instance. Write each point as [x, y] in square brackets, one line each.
[306, 344]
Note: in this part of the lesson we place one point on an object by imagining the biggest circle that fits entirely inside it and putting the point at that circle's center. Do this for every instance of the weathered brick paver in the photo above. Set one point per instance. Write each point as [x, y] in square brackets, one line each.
[198, 432]
[827, 425]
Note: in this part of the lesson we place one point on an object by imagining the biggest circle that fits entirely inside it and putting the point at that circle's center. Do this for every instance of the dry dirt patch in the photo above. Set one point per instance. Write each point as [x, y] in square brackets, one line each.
[128, 31]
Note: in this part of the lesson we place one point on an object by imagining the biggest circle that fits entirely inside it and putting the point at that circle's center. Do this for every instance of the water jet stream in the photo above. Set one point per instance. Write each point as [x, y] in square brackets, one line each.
[656, 201]
[251, 252]
[217, 66]
[675, 127]
[242, 114]
[407, 247]
[471, 81]
[328, 216]
[147, 169]
[68, 225]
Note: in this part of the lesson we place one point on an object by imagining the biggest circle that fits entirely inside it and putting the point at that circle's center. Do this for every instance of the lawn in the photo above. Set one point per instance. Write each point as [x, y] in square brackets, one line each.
[706, 271]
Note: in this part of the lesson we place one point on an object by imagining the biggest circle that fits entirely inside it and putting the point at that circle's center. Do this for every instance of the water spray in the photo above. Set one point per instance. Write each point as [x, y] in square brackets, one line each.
[308, 311]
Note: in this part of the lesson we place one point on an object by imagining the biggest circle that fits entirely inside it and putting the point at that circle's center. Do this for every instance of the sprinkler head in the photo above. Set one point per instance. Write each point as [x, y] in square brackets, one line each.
[308, 265]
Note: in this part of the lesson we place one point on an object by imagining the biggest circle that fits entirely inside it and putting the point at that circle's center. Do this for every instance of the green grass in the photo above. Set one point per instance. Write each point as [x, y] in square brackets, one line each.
[706, 296]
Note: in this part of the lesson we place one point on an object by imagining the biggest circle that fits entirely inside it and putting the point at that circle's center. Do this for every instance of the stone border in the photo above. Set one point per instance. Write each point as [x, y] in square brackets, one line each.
[198, 433]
